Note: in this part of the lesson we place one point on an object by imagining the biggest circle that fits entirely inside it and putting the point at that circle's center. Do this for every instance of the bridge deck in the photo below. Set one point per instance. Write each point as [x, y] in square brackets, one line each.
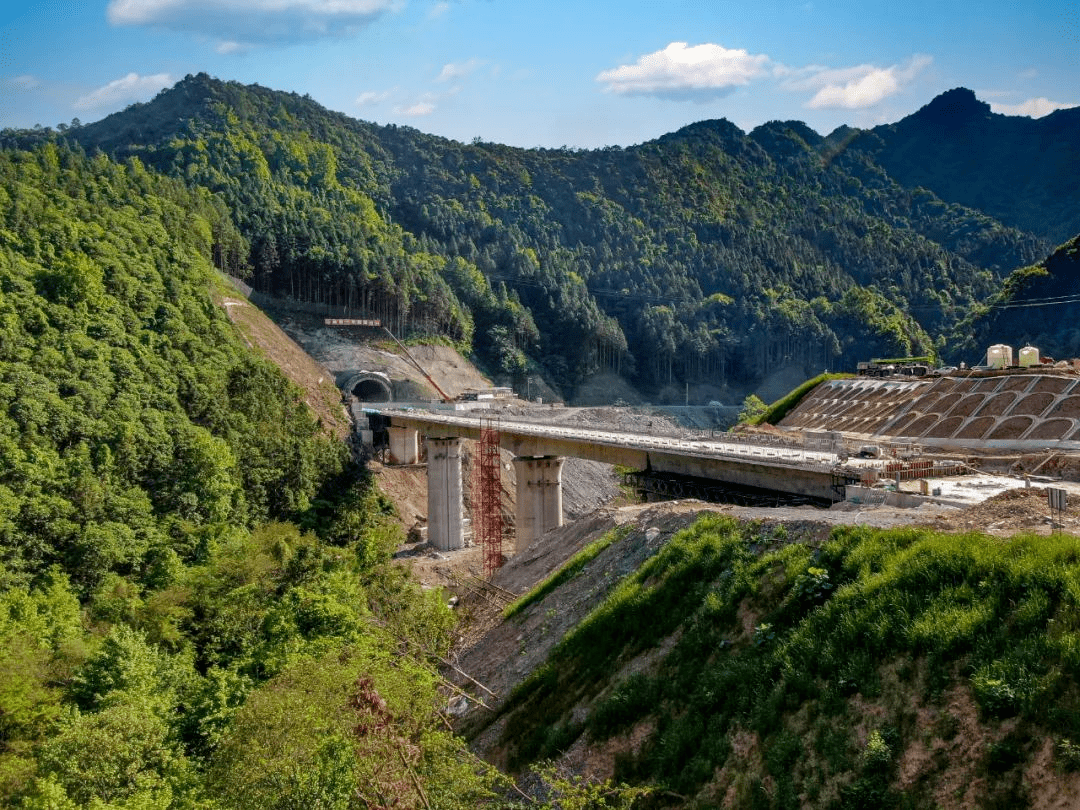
[768, 466]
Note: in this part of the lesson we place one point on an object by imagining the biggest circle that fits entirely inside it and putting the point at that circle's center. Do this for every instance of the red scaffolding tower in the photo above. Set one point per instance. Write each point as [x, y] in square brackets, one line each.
[487, 514]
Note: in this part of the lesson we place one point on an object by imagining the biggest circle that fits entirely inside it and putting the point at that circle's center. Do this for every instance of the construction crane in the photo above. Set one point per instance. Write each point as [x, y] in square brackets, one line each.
[445, 397]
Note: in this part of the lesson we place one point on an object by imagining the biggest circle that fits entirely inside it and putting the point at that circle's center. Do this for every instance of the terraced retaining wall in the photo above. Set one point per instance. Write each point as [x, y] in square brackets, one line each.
[1021, 410]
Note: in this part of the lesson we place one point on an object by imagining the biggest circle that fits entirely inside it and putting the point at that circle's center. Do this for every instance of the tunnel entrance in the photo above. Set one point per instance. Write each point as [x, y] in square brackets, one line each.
[371, 391]
[367, 386]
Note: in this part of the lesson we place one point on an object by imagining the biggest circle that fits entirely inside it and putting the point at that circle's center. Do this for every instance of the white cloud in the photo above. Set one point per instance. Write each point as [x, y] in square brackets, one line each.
[131, 88]
[417, 110]
[231, 46]
[459, 70]
[252, 21]
[26, 82]
[686, 71]
[856, 87]
[865, 90]
[438, 10]
[709, 71]
[1030, 73]
[371, 97]
[1033, 107]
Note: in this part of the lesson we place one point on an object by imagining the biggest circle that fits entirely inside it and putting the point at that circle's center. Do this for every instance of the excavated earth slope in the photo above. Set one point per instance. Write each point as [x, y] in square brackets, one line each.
[500, 654]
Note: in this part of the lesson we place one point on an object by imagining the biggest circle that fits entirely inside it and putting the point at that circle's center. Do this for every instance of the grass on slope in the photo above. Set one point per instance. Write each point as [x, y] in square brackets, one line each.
[779, 409]
[866, 617]
[567, 572]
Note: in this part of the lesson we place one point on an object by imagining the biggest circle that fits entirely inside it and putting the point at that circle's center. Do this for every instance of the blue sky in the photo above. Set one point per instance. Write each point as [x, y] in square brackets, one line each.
[580, 74]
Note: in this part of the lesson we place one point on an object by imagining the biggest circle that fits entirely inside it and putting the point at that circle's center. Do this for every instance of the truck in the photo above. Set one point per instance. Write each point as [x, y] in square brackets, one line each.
[892, 366]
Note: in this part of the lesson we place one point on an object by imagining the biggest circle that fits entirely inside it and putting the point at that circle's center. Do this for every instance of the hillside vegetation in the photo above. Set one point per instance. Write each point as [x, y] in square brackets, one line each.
[742, 667]
[1036, 305]
[1017, 169]
[196, 606]
[708, 255]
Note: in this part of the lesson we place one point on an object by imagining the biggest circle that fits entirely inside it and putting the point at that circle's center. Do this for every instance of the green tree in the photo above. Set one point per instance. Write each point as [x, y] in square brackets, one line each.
[753, 407]
[352, 728]
[121, 753]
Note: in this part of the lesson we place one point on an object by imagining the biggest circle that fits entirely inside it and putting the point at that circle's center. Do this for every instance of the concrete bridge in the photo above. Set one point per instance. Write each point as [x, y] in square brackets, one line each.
[539, 451]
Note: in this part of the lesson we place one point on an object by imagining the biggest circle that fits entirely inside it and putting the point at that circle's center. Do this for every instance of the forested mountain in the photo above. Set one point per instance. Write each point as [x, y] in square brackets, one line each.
[1019, 170]
[707, 255]
[196, 604]
[1037, 305]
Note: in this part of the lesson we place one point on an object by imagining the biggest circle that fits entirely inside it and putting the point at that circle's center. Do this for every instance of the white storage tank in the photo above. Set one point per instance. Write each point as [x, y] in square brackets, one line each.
[999, 356]
[1029, 356]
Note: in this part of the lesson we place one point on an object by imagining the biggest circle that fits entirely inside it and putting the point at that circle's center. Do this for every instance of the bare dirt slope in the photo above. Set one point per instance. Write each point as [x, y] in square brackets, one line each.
[1015, 511]
[316, 381]
[357, 348]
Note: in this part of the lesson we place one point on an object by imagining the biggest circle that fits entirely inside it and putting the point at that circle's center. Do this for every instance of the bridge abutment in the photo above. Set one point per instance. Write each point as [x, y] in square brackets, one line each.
[404, 445]
[445, 524]
[539, 496]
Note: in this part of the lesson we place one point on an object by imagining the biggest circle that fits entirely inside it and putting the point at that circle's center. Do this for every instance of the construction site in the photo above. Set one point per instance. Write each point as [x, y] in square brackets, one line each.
[479, 474]
[958, 451]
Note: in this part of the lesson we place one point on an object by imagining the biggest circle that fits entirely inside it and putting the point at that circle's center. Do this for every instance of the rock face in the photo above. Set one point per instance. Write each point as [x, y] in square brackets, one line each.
[587, 486]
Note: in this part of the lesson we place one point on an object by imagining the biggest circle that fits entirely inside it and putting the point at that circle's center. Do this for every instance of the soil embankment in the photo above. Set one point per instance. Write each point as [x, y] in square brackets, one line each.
[313, 378]
[939, 745]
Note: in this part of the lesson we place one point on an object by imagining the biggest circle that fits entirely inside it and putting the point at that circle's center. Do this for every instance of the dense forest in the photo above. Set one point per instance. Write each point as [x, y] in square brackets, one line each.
[1021, 171]
[708, 255]
[197, 608]
[196, 605]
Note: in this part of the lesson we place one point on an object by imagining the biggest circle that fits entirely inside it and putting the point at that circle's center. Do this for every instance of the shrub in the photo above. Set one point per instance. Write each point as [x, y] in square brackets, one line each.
[876, 755]
[1067, 754]
[1001, 690]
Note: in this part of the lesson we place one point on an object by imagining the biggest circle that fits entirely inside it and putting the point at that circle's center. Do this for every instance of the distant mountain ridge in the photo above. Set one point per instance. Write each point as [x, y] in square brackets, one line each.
[1019, 170]
[707, 257]
[1037, 305]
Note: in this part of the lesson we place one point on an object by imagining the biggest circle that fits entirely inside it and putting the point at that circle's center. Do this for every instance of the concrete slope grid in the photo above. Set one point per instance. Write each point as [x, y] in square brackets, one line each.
[1018, 410]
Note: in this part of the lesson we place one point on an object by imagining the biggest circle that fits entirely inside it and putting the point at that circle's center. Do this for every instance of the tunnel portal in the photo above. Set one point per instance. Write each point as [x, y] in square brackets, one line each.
[367, 386]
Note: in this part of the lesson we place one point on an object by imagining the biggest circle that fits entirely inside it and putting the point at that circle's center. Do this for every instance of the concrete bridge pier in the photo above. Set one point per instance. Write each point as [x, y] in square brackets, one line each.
[539, 496]
[445, 530]
[404, 445]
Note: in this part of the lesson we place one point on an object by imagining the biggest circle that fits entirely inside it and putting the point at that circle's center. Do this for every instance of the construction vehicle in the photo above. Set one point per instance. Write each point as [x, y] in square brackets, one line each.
[892, 366]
